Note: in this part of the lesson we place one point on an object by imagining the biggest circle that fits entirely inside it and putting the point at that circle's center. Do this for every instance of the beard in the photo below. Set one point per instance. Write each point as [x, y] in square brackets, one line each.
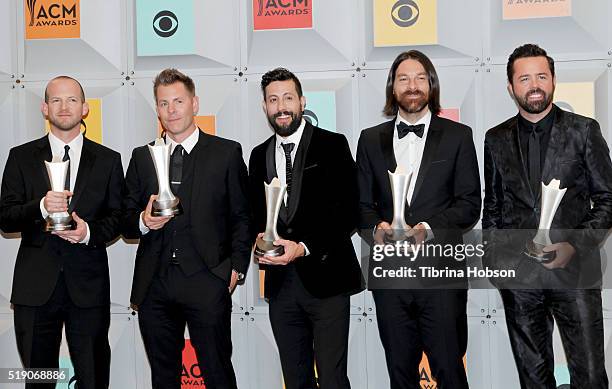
[290, 128]
[534, 107]
[413, 105]
[65, 125]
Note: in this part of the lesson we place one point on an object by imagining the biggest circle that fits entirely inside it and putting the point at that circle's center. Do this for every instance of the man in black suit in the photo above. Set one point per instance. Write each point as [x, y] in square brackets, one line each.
[443, 198]
[187, 265]
[309, 286]
[61, 278]
[541, 143]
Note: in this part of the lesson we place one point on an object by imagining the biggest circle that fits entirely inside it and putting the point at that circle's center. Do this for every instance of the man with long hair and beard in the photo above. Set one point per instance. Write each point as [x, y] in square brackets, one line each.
[443, 199]
[308, 286]
[543, 142]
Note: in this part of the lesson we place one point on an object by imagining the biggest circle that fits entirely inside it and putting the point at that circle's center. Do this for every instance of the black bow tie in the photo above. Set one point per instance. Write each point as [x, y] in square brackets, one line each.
[403, 129]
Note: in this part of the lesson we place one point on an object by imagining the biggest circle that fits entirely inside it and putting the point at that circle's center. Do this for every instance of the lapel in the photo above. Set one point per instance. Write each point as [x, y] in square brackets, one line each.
[556, 146]
[88, 157]
[199, 170]
[386, 145]
[298, 170]
[43, 153]
[434, 135]
[515, 160]
[271, 159]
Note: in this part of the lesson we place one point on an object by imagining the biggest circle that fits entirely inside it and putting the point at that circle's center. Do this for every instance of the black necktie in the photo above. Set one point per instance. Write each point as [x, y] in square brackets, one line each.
[535, 170]
[67, 158]
[176, 168]
[288, 148]
[403, 129]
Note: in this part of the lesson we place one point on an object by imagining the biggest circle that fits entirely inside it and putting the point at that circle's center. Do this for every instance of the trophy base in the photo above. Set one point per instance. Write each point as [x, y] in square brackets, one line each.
[166, 207]
[59, 223]
[535, 251]
[264, 248]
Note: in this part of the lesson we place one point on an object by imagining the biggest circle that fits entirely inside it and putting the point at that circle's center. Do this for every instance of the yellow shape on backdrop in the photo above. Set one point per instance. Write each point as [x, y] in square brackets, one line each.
[405, 22]
[578, 97]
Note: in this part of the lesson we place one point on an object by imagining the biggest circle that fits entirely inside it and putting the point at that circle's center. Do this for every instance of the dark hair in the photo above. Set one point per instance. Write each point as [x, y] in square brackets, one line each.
[64, 78]
[170, 76]
[391, 106]
[280, 74]
[526, 51]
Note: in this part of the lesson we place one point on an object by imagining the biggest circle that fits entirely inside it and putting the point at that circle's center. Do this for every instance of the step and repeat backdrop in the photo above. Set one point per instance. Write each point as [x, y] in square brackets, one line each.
[341, 50]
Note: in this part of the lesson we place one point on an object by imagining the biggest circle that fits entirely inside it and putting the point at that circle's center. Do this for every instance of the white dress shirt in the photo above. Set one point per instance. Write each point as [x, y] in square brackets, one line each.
[58, 151]
[409, 154]
[281, 163]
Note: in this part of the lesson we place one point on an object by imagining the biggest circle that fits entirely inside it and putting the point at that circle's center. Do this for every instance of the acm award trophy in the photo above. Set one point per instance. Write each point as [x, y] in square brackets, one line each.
[400, 181]
[551, 198]
[57, 171]
[167, 203]
[264, 246]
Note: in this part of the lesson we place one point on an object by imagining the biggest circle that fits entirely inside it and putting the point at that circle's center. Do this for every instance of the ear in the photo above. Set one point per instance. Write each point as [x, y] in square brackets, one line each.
[44, 108]
[85, 109]
[510, 91]
[196, 105]
[303, 102]
[263, 106]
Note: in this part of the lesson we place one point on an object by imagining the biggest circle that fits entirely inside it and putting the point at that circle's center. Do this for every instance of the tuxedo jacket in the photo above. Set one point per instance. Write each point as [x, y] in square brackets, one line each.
[41, 256]
[447, 189]
[219, 211]
[322, 211]
[578, 156]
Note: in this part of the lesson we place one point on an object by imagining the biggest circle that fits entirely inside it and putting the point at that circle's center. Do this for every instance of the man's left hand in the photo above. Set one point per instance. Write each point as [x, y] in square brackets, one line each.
[564, 252]
[78, 234]
[293, 250]
[233, 281]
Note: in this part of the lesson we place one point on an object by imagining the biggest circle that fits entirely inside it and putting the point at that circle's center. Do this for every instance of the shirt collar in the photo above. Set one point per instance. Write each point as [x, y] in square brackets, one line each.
[188, 144]
[57, 145]
[293, 138]
[545, 124]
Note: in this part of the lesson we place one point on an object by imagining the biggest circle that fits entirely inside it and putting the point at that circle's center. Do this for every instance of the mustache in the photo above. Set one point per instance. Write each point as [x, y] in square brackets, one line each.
[283, 113]
[415, 92]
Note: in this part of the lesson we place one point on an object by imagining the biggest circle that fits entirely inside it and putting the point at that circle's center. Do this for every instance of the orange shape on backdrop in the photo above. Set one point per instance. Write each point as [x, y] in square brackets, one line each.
[52, 19]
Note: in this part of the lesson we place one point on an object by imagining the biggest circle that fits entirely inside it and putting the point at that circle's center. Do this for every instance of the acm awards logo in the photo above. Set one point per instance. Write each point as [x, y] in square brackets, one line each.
[54, 14]
[165, 24]
[282, 14]
[405, 13]
[191, 375]
[283, 7]
[51, 19]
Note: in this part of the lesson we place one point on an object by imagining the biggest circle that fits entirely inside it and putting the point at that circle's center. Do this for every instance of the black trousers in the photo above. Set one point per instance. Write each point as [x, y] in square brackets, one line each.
[309, 329]
[411, 322]
[39, 334]
[202, 301]
[578, 313]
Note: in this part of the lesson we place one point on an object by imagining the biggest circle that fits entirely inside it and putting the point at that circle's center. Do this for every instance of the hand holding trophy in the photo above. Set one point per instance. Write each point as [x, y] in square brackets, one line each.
[57, 171]
[400, 181]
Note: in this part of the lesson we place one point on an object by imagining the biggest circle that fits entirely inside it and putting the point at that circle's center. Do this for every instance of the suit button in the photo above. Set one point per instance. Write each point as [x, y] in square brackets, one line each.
[324, 257]
[290, 230]
[536, 209]
[410, 214]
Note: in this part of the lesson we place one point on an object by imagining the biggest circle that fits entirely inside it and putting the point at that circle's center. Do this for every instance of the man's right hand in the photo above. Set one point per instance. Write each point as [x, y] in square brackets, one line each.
[382, 229]
[153, 222]
[56, 201]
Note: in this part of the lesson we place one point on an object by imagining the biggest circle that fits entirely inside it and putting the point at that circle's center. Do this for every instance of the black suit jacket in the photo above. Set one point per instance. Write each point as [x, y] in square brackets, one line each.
[219, 211]
[97, 200]
[322, 211]
[578, 156]
[447, 189]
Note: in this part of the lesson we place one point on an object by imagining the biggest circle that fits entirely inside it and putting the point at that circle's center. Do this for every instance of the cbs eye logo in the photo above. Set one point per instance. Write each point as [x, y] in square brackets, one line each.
[311, 117]
[405, 13]
[165, 24]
